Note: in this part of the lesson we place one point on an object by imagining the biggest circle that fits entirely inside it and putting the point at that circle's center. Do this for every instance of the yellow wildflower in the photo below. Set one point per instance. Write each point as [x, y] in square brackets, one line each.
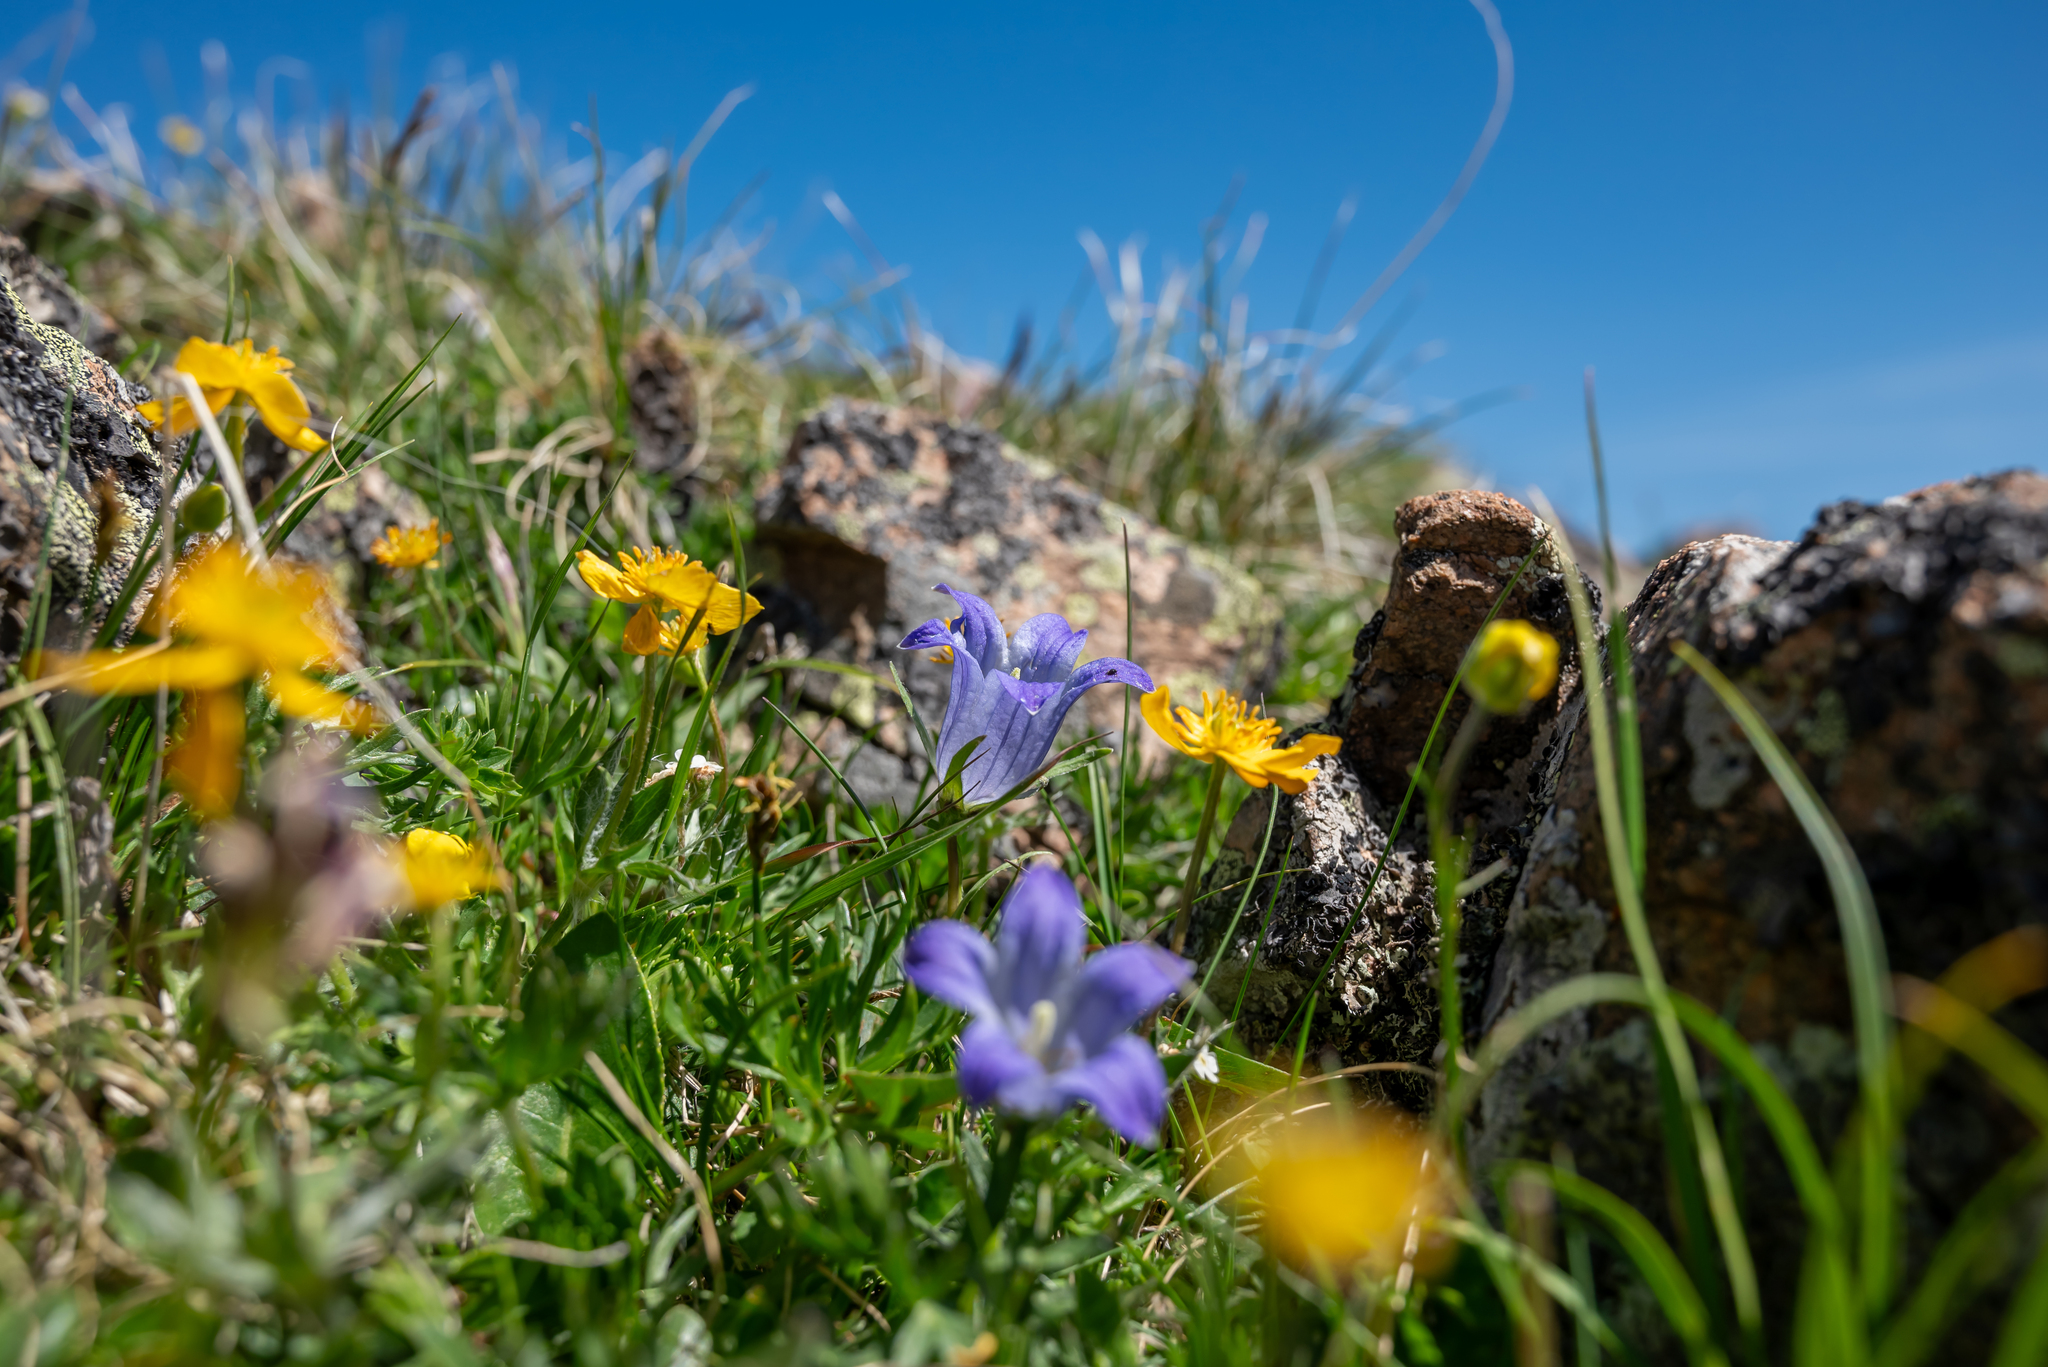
[206, 763]
[1341, 1194]
[1512, 664]
[225, 371]
[660, 581]
[242, 620]
[408, 548]
[441, 868]
[1231, 730]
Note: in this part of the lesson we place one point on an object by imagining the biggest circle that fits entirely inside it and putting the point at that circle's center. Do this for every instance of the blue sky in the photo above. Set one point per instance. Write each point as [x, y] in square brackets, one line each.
[1801, 242]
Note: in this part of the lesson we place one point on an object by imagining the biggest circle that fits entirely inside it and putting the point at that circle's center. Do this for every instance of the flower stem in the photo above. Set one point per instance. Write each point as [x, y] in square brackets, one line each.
[1196, 856]
[952, 875]
[1447, 852]
[1002, 1177]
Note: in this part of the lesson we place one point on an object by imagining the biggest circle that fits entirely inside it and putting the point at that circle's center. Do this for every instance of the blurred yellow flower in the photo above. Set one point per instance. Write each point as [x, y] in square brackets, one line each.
[242, 620]
[225, 371]
[666, 581]
[205, 764]
[1512, 665]
[441, 868]
[181, 135]
[1231, 730]
[1341, 1194]
[408, 548]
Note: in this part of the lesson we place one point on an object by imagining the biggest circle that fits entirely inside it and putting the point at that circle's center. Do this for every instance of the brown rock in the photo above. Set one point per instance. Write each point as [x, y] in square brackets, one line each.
[661, 388]
[873, 506]
[1373, 969]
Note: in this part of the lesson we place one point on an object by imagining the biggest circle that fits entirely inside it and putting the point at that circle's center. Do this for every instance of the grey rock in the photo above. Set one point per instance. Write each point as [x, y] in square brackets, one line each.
[64, 409]
[1900, 651]
[874, 505]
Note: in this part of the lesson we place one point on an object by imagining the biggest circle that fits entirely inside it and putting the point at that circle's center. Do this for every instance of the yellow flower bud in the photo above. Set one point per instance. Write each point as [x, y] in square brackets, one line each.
[1512, 664]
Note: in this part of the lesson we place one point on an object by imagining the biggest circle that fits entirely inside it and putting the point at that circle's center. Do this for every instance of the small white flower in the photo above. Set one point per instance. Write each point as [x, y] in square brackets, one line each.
[702, 768]
[1204, 1066]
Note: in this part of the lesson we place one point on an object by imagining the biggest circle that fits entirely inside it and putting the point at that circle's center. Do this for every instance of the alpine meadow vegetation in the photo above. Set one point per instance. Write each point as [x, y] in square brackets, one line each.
[490, 968]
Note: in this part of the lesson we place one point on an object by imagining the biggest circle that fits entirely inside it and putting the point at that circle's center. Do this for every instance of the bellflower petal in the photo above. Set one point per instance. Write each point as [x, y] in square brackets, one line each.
[968, 707]
[1108, 669]
[1045, 647]
[1040, 940]
[1126, 1084]
[1029, 696]
[1049, 1030]
[1117, 987]
[936, 632]
[979, 625]
[951, 961]
[992, 1061]
[1015, 692]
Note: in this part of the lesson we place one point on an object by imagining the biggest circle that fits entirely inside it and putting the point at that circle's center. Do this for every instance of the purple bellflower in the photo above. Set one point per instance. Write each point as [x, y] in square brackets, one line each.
[1051, 1027]
[1012, 690]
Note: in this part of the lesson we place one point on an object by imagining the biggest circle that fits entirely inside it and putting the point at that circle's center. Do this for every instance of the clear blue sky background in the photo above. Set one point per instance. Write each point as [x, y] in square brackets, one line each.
[1802, 242]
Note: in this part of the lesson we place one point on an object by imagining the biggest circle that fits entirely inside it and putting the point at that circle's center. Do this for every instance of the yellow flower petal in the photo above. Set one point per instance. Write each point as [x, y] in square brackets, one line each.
[645, 634]
[206, 763]
[1231, 730]
[215, 366]
[1337, 1195]
[1158, 710]
[223, 371]
[408, 548]
[1288, 769]
[687, 585]
[607, 582]
[309, 700]
[276, 613]
[441, 868]
[1512, 664]
[146, 669]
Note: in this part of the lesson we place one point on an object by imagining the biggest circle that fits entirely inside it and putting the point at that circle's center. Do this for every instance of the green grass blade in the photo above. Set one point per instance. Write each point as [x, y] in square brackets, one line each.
[1951, 1277]
[1644, 1247]
[2023, 1342]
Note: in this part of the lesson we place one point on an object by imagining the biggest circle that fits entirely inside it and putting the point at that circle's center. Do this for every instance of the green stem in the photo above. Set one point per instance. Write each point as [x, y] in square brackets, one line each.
[1196, 856]
[1448, 852]
[1002, 1177]
[952, 876]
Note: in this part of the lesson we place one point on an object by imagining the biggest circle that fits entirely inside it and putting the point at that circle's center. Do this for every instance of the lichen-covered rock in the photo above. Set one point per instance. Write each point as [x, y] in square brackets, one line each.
[1373, 966]
[48, 298]
[1901, 651]
[64, 409]
[874, 505]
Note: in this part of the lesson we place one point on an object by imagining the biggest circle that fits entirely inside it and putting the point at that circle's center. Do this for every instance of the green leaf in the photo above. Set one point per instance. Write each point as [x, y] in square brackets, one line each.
[501, 1186]
[596, 794]
[899, 1098]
